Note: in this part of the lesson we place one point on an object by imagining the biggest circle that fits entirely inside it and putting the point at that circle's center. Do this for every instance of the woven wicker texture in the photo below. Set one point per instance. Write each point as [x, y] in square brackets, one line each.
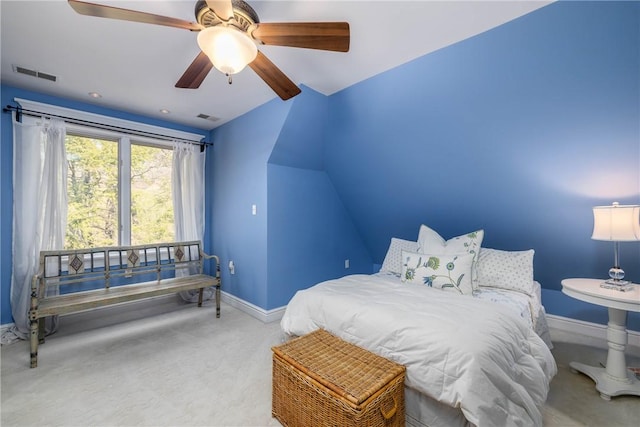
[350, 371]
[321, 380]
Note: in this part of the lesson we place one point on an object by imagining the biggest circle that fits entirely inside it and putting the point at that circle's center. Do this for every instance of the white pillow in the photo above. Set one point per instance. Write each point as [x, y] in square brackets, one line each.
[446, 272]
[393, 260]
[512, 270]
[431, 242]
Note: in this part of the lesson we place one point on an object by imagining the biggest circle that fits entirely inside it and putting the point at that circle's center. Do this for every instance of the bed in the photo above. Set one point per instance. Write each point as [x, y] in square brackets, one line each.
[475, 354]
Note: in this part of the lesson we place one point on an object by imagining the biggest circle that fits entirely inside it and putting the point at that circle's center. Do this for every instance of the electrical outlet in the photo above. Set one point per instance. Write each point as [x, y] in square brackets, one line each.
[346, 263]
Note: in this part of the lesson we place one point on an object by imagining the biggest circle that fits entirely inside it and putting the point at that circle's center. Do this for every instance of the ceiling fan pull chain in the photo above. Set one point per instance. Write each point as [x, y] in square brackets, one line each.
[229, 75]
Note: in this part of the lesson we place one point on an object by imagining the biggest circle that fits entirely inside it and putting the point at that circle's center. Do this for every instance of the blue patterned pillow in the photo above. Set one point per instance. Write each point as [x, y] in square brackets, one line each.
[393, 260]
[430, 242]
[512, 270]
[446, 272]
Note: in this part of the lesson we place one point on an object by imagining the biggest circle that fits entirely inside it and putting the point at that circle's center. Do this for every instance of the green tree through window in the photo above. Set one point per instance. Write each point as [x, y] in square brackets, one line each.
[92, 188]
[99, 214]
[151, 204]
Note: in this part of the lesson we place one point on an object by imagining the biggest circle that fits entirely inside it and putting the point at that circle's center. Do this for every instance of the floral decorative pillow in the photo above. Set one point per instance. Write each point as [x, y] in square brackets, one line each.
[446, 272]
[393, 260]
[512, 270]
[431, 242]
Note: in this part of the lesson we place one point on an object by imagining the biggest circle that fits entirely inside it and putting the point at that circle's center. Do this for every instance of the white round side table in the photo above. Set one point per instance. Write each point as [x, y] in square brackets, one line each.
[615, 379]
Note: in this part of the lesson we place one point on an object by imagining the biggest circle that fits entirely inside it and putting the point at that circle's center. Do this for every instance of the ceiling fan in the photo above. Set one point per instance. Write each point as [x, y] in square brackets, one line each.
[228, 33]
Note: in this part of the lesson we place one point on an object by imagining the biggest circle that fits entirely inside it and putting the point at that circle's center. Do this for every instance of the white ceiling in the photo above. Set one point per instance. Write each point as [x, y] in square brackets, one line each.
[135, 66]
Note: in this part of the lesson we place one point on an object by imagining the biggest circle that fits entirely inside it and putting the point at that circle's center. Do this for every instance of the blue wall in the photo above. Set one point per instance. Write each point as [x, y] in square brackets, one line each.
[301, 233]
[520, 131]
[240, 152]
[7, 95]
[309, 239]
[515, 131]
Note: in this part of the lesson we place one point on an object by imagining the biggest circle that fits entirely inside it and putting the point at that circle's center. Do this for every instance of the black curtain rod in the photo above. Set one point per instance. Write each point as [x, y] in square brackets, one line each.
[32, 113]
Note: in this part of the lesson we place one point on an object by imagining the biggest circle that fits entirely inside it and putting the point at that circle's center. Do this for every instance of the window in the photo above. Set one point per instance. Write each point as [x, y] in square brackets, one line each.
[119, 177]
[151, 204]
[119, 192]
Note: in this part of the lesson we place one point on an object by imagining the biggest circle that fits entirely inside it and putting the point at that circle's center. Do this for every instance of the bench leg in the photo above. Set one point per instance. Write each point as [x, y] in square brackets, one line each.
[200, 293]
[41, 324]
[34, 342]
[217, 301]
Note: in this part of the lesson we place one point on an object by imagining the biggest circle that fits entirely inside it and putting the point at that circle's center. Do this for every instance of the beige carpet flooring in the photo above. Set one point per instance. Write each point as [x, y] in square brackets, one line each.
[164, 363]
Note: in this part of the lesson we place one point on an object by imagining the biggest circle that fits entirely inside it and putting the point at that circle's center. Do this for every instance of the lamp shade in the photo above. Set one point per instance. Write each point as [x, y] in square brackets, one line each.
[618, 223]
[229, 49]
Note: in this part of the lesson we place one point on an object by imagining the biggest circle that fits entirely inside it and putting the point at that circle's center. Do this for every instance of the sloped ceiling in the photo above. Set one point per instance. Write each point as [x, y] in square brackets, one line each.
[135, 66]
[307, 122]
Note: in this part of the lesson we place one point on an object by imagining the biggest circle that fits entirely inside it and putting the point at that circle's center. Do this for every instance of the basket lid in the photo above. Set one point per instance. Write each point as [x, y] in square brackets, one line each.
[348, 370]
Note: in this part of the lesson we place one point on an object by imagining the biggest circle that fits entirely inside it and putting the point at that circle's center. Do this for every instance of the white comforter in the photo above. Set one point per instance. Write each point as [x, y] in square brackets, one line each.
[468, 353]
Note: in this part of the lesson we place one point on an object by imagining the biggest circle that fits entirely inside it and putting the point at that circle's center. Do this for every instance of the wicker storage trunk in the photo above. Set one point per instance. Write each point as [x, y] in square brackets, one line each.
[321, 380]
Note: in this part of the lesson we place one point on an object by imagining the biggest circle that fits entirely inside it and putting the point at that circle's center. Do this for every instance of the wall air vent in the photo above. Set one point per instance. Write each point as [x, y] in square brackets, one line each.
[208, 117]
[33, 73]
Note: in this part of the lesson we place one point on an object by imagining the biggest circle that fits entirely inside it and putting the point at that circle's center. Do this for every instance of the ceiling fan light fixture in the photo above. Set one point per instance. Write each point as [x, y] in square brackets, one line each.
[229, 49]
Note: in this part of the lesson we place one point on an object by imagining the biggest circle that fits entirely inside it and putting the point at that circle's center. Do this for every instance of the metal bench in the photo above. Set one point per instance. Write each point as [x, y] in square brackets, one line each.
[98, 277]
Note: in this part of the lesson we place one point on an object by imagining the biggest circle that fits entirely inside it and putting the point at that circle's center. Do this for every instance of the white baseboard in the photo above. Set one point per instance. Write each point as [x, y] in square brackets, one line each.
[266, 316]
[562, 329]
[565, 329]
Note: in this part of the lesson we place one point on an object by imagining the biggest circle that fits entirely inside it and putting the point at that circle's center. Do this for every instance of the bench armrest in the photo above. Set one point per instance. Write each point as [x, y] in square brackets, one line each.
[207, 256]
[217, 266]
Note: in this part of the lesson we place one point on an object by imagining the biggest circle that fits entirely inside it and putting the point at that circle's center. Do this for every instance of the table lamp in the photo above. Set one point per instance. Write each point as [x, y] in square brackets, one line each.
[616, 223]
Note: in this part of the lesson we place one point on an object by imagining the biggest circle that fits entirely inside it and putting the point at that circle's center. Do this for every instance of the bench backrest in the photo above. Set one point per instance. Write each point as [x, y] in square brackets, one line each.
[115, 265]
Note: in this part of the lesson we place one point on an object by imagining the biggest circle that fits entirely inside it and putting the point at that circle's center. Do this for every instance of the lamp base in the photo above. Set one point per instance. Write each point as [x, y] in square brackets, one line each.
[618, 285]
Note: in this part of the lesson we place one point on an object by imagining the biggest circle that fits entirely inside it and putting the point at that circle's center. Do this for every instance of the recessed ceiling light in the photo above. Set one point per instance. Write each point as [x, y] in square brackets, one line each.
[95, 95]
[165, 111]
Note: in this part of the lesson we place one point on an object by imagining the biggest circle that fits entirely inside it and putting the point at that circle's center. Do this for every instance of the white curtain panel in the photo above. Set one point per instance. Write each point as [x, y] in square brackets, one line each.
[39, 210]
[188, 201]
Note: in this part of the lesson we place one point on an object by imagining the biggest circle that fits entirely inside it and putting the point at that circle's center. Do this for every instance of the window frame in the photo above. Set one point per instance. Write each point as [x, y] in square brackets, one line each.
[165, 139]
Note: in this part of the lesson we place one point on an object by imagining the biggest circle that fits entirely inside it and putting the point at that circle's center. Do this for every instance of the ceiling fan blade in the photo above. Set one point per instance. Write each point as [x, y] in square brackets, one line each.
[102, 11]
[332, 36]
[222, 8]
[195, 74]
[276, 79]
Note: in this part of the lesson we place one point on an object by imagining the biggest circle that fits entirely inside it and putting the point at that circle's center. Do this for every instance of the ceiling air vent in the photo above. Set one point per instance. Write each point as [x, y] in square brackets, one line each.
[208, 117]
[34, 73]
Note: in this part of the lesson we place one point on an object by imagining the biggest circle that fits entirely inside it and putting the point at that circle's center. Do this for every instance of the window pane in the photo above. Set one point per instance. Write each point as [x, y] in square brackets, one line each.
[151, 204]
[92, 187]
